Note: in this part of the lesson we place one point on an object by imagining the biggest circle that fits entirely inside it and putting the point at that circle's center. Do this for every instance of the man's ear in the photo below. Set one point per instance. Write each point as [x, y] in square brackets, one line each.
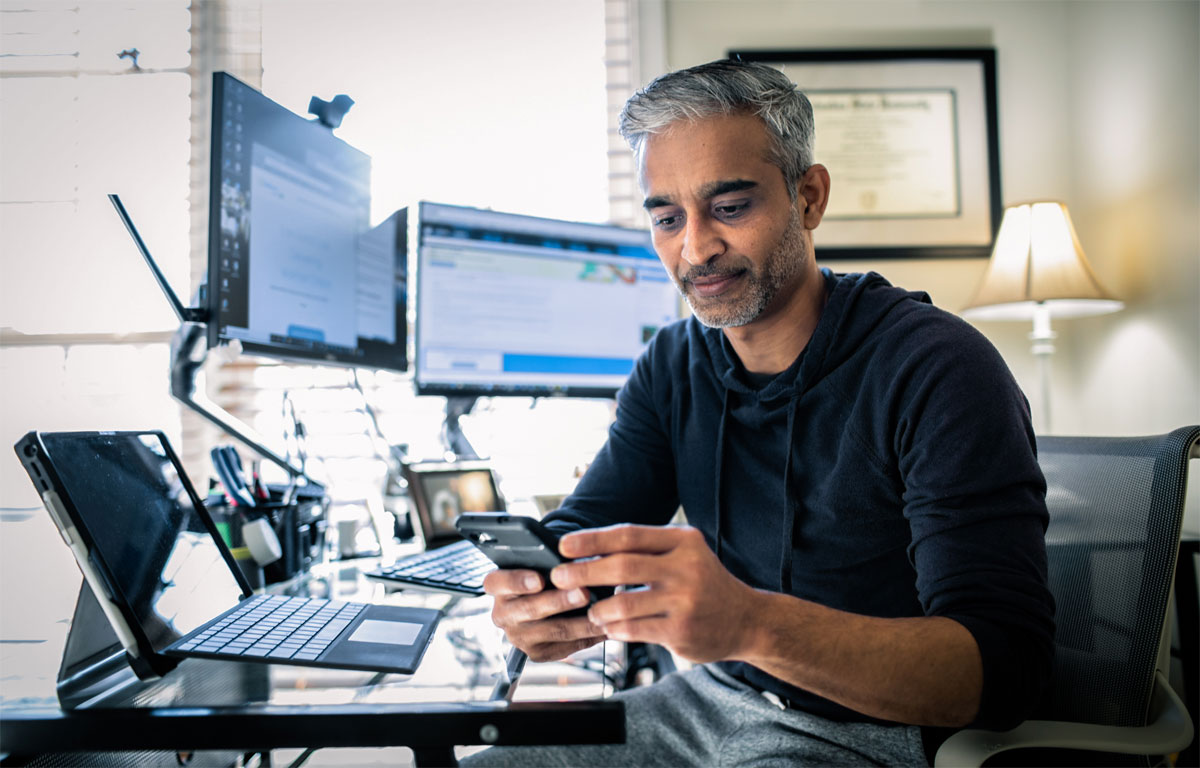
[813, 192]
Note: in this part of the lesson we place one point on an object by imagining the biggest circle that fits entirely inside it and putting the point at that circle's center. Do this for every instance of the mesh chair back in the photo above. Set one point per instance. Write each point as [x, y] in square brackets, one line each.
[1116, 510]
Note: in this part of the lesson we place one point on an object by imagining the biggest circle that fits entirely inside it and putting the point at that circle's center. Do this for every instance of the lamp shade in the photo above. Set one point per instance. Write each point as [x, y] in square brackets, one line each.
[1037, 262]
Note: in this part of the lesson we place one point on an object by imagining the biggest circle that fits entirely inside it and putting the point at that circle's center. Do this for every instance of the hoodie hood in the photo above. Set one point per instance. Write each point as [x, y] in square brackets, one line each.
[857, 305]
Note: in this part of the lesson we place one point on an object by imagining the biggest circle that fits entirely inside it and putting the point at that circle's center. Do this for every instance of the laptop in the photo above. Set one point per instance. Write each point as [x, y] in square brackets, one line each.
[440, 492]
[167, 581]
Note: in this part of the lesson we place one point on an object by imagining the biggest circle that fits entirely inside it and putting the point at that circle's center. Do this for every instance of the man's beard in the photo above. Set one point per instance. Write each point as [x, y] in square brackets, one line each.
[760, 285]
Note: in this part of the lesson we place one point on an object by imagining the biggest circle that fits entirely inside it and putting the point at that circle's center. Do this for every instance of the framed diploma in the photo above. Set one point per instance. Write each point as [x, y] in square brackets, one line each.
[910, 141]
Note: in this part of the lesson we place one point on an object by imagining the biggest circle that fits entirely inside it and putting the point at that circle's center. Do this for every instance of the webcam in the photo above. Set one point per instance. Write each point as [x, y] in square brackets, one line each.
[330, 113]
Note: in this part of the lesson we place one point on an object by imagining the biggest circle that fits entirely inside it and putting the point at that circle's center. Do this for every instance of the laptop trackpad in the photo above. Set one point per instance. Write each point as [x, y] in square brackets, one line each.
[390, 632]
[386, 638]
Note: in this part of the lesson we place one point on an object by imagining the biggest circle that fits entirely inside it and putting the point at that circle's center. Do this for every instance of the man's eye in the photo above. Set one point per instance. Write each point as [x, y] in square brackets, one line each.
[731, 210]
[665, 222]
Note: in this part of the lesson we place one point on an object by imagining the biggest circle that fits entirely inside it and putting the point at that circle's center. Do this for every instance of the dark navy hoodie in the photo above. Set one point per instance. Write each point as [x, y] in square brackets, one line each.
[889, 471]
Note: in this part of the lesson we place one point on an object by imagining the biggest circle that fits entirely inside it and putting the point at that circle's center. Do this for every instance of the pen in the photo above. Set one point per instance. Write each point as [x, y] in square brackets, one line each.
[231, 478]
[260, 490]
[235, 463]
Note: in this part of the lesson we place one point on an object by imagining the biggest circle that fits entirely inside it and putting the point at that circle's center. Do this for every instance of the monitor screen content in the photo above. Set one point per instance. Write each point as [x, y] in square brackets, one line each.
[518, 305]
[295, 270]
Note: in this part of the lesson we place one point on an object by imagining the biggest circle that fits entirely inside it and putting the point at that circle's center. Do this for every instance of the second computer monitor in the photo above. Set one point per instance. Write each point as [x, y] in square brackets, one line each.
[295, 269]
[520, 305]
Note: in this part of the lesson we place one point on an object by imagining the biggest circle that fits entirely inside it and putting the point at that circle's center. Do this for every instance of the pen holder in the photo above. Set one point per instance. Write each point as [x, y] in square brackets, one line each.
[299, 525]
[229, 524]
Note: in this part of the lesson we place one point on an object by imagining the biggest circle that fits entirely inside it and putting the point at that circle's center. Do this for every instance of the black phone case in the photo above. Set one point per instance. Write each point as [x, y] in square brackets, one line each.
[514, 541]
[511, 541]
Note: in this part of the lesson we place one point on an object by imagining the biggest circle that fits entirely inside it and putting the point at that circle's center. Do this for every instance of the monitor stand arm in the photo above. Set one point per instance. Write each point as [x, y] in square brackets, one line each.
[188, 352]
[453, 439]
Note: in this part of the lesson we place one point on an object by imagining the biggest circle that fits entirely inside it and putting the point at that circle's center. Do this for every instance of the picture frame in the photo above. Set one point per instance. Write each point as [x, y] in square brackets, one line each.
[910, 139]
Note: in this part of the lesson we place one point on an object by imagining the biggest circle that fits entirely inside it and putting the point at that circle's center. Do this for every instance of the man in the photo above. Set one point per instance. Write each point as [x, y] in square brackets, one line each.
[866, 553]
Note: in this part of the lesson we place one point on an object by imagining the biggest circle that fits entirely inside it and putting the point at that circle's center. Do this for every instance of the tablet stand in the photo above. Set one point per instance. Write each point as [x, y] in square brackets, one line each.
[93, 661]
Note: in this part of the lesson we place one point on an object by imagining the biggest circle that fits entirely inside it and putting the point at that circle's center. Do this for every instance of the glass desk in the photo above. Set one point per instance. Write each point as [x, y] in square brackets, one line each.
[236, 708]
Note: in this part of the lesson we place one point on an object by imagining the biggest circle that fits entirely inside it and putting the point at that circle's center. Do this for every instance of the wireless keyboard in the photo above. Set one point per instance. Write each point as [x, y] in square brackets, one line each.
[457, 568]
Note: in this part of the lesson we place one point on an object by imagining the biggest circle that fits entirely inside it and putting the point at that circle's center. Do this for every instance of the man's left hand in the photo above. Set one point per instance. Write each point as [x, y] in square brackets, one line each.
[690, 603]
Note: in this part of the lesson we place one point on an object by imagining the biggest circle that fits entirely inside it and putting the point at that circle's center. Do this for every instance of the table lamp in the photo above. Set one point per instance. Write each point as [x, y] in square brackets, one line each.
[1038, 269]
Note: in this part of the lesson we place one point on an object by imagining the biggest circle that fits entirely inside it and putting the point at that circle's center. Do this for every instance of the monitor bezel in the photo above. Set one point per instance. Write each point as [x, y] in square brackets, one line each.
[473, 390]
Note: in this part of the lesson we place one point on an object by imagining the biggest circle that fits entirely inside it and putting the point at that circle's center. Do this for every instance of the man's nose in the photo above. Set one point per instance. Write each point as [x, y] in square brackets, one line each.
[701, 243]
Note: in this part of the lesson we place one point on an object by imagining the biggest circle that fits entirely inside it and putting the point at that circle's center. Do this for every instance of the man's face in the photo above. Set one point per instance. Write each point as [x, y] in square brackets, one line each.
[721, 218]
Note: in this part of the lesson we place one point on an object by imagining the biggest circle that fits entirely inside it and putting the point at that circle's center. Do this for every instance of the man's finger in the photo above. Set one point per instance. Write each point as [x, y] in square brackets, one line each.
[611, 571]
[630, 605]
[513, 582]
[648, 630]
[552, 631]
[650, 539]
[511, 610]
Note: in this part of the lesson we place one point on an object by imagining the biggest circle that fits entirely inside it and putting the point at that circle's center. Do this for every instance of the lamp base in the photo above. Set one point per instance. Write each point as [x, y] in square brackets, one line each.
[1043, 337]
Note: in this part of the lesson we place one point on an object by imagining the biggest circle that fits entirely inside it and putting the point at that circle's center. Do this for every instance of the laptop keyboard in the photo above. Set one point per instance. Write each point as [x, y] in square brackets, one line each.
[458, 567]
[275, 627]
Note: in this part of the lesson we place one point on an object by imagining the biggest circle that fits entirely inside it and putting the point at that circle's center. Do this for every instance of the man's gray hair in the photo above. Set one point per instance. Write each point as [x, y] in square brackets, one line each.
[728, 86]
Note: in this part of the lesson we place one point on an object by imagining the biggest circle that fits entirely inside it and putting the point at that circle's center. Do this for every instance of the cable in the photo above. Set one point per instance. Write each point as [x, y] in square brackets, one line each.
[393, 452]
[297, 434]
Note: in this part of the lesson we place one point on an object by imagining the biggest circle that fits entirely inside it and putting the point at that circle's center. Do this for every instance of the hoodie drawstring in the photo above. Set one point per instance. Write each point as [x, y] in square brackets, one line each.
[789, 505]
[720, 456]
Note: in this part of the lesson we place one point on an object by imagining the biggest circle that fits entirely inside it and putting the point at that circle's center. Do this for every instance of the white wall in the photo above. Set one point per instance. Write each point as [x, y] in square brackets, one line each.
[1099, 106]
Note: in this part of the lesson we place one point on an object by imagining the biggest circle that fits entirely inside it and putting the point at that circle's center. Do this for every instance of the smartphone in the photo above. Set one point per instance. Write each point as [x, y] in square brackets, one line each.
[515, 541]
[511, 541]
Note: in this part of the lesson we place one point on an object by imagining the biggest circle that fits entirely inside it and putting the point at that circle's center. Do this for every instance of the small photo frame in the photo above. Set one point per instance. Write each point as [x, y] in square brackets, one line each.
[910, 141]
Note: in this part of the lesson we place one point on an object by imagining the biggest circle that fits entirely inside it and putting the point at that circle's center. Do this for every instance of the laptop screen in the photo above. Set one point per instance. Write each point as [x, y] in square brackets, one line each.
[443, 491]
[130, 497]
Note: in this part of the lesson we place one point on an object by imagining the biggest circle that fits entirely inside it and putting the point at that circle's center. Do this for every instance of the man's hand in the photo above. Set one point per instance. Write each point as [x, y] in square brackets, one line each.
[689, 602]
[526, 613]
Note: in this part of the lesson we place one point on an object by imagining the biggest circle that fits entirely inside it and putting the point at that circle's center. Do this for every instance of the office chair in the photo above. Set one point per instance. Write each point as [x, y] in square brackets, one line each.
[1116, 512]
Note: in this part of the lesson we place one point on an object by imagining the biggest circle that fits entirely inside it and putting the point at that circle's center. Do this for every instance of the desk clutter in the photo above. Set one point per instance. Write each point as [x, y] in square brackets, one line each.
[168, 567]
[274, 532]
[152, 636]
[179, 581]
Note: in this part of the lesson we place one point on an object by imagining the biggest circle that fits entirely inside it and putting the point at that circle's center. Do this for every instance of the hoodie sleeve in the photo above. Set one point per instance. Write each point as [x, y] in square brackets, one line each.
[632, 478]
[974, 497]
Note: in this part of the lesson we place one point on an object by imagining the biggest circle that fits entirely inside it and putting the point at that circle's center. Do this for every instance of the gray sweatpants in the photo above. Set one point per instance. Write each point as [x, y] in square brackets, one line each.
[704, 717]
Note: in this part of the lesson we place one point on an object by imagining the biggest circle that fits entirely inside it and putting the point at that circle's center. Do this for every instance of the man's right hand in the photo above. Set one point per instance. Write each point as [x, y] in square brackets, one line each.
[527, 614]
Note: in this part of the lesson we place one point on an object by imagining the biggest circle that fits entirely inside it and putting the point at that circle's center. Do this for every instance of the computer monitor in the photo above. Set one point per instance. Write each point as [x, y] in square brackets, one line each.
[509, 304]
[295, 270]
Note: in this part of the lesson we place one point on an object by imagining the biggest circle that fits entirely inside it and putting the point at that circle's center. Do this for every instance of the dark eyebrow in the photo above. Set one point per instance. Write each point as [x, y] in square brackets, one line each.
[707, 192]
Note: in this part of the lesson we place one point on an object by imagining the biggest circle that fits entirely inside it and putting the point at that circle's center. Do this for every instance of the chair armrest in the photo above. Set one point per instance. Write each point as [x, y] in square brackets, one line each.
[1169, 731]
